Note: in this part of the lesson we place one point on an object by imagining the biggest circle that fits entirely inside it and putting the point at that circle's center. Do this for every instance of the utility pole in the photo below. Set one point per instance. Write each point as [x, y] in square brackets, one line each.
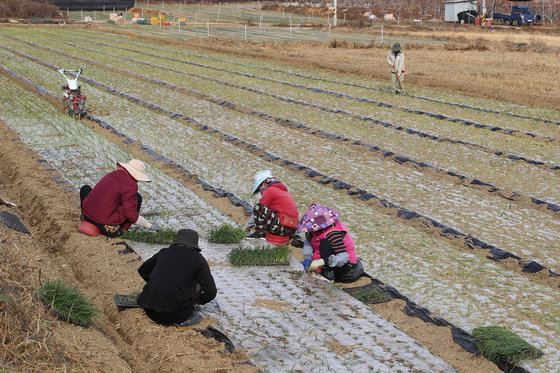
[334, 19]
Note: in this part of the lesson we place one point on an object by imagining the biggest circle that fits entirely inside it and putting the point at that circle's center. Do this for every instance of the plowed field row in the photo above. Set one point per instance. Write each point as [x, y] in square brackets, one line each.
[461, 287]
[495, 121]
[516, 196]
[398, 184]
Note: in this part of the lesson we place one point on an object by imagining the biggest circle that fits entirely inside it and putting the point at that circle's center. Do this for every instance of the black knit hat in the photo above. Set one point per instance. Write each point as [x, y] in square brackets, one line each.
[187, 237]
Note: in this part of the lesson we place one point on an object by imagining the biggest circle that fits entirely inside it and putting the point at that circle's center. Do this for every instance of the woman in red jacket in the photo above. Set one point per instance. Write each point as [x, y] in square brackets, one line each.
[114, 203]
[275, 216]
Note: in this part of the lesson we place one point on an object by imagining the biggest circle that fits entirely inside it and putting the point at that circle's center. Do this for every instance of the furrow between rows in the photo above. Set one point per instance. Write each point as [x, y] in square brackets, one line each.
[362, 194]
[516, 196]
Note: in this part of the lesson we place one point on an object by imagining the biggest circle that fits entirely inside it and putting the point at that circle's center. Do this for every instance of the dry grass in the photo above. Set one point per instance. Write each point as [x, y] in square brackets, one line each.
[501, 67]
[29, 341]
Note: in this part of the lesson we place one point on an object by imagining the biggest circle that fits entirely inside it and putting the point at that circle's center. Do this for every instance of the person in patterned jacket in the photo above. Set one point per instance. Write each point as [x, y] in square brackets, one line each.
[329, 248]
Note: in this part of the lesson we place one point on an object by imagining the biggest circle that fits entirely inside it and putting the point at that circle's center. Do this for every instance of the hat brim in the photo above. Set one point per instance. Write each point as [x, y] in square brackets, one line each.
[137, 175]
[186, 245]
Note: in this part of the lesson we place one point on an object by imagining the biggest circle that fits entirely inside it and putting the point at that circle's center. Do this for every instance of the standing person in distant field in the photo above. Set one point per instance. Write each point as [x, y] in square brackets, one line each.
[275, 217]
[177, 278]
[329, 248]
[395, 59]
[114, 203]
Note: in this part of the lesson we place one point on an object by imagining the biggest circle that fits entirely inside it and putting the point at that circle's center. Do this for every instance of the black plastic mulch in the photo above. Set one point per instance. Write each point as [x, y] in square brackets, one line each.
[211, 332]
[460, 336]
[12, 221]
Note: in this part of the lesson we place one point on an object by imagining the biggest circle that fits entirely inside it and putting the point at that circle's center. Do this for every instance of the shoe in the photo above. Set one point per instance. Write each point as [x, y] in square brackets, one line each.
[297, 240]
[256, 235]
[193, 319]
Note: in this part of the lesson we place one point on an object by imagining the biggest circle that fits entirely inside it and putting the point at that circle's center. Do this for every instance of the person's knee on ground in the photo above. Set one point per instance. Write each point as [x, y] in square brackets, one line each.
[349, 272]
[261, 214]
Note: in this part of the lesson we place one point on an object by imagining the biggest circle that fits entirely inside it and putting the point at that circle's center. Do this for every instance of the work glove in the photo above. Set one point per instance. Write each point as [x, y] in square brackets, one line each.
[155, 227]
[316, 264]
[306, 263]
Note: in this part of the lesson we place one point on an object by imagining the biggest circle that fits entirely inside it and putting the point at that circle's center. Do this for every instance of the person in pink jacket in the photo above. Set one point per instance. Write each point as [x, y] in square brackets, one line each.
[329, 248]
[114, 203]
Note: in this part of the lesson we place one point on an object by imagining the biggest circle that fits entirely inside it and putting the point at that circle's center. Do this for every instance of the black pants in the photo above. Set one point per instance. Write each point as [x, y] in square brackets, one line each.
[106, 229]
[347, 273]
[168, 318]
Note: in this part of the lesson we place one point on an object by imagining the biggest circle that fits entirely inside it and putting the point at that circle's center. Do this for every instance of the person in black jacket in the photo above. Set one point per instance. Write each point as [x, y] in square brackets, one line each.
[177, 278]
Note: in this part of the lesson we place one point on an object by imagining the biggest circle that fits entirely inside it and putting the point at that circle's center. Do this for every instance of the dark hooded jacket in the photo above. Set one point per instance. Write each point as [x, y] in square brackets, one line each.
[172, 276]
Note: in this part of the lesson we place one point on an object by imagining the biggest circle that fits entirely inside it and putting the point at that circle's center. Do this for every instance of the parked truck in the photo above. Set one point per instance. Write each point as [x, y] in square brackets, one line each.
[520, 15]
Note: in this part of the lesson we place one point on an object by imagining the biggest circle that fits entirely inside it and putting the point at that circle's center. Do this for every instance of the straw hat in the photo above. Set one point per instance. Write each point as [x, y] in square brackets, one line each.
[136, 169]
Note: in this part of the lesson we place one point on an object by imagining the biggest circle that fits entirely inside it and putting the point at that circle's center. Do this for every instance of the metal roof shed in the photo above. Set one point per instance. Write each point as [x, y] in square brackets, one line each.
[453, 7]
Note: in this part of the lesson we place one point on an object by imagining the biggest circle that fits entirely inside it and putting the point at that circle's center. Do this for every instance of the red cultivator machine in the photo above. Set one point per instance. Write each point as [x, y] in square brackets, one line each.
[73, 100]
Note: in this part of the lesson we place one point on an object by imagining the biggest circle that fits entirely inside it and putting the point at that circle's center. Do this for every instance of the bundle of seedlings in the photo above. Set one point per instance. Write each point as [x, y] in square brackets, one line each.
[369, 294]
[67, 303]
[259, 256]
[160, 237]
[226, 233]
[501, 345]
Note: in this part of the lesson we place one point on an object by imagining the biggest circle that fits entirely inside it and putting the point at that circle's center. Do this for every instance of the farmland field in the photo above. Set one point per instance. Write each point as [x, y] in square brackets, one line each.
[451, 199]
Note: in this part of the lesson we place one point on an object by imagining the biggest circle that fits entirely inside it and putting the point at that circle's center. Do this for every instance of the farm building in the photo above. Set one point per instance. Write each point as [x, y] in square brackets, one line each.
[454, 7]
[92, 4]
